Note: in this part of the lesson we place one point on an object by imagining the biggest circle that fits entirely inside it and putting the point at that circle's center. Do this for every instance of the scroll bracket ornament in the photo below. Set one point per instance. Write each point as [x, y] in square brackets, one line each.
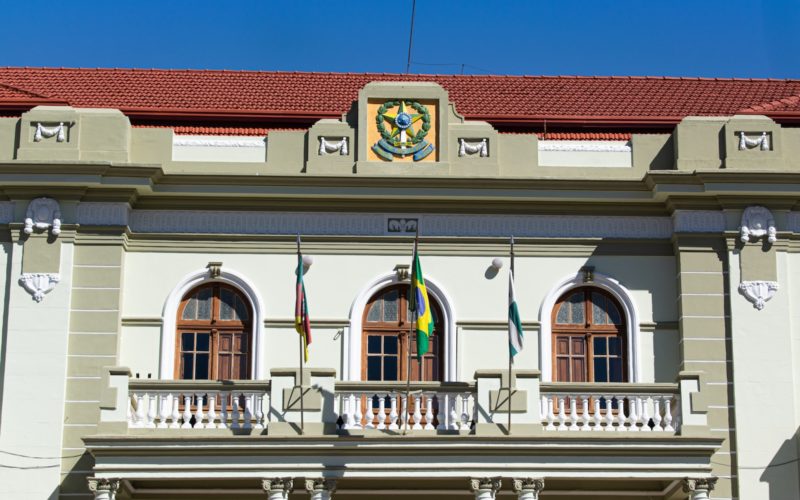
[758, 292]
[749, 143]
[39, 284]
[470, 148]
[58, 131]
[757, 222]
[43, 213]
[326, 147]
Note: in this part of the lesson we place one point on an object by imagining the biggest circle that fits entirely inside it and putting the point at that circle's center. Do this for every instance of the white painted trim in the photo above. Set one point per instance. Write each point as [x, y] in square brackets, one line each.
[219, 142]
[618, 291]
[590, 146]
[351, 362]
[170, 314]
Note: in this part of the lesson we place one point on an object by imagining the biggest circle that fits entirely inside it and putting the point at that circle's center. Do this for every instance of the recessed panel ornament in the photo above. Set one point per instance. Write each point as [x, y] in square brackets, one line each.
[404, 127]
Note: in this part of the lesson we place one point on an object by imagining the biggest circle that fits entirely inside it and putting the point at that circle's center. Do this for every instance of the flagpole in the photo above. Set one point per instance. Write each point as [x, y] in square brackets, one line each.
[410, 331]
[302, 345]
[510, 357]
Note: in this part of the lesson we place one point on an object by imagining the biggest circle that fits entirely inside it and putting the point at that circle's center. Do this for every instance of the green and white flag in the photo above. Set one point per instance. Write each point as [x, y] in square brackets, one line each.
[515, 333]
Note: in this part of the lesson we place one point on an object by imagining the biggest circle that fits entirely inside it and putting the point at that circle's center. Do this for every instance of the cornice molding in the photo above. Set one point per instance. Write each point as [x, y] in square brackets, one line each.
[698, 221]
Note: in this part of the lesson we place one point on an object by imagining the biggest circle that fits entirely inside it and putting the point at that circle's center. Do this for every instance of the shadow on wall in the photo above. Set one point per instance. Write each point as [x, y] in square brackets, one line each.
[783, 472]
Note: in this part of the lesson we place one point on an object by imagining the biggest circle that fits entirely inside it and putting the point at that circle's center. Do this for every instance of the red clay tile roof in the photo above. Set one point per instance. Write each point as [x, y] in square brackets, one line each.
[281, 97]
[790, 104]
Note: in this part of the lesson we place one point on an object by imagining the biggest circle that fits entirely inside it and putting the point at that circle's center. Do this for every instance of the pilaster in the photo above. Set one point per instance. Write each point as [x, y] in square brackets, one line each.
[278, 488]
[320, 488]
[103, 489]
[485, 488]
[700, 488]
[528, 488]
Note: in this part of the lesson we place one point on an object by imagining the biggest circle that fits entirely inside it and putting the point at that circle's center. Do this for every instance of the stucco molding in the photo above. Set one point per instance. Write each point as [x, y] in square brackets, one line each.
[758, 292]
[533, 485]
[352, 335]
[238, 142]
[320, 223]
[762, 141]
[103, 214]
[39, 284]
[43, 132]
[693, 485]
[618, 291]
[43, 213]
[170, 314]
[103, 487]
[466, 148]
[327, 147]
[698, 221]
[586, 146]
[757, 222]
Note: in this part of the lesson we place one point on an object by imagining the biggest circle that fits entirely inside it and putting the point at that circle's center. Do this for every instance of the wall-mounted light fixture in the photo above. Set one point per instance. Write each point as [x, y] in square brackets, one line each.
[497, 263]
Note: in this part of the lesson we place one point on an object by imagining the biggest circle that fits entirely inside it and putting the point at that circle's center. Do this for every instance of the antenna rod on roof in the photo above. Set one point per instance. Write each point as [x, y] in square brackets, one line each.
[411, 35]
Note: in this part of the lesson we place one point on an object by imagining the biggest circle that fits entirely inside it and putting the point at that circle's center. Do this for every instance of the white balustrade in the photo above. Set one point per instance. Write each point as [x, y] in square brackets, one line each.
[609, 413]
[168, 409]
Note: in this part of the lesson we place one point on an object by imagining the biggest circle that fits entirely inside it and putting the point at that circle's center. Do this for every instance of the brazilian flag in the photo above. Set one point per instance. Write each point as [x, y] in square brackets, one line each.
[420, 306]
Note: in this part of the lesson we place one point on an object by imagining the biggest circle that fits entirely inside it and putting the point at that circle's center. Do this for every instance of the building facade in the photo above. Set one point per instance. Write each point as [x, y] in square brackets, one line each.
[149, 224]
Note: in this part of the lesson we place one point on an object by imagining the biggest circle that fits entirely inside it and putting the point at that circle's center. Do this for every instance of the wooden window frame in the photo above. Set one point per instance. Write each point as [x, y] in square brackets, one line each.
[589, 330]
[214, 327]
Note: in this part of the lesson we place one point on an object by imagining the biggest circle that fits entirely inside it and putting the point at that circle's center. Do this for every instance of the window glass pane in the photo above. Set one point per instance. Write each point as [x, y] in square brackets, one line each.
[188, 366]
[616, 369]
[374, 344]
[390, 368]
[615, 346]
[390, 344]
[202, 341]
[204, 303]
[190, 311]
[563, 314]
[374, 313]
[599, 315]
[577, 309]
[600, 370]
[202, 370]
[373, 368]
[187, 341]
[613, 314]
[390, 304]
[599, 346]
[241, 309]
[226, 299]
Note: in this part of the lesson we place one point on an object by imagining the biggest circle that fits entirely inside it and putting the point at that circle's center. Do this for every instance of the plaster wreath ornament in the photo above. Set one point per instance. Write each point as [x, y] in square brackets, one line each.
[748, 143]
[758, 292]
[326, 148]
[58, 131]
[403, 139]
[757, 222]
[39, 284]
[43, 213]
[470, 148]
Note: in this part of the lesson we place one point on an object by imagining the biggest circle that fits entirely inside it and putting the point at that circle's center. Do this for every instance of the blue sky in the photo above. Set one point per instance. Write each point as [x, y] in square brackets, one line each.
[709, 38]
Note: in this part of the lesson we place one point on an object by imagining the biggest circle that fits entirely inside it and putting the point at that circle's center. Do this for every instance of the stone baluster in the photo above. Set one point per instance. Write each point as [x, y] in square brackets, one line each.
[278, 488]
[644, 415]
[187, 411]
[151, 411]
[321, 488]
[562, 414]
[234, 410]
[175, 416]
[369, 416]
[429, 412]
[657, 414]
[699, 488]
[164, 409]
[357, 415]
[212, 410]
[393, 415]
[199, 416]
[598, 415]
[485, 488]
[102, 488]
[140, 415]
[609, 413]
[404, 411]
[551, 417]
[454, 420]
[223, 410]
[417, 413]
[258, 399]
[586, 417]
[528, 488]
[248, 412]
[573, 413]
[443, 400]
[381, 412]
[634, 403]
[621, 418]
[344, 401]
[668, 414]
[465, 400]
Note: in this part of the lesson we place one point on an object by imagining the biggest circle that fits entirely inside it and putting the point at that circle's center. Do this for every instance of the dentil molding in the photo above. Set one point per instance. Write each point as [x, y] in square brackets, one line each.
[758, 292]
[39, 284]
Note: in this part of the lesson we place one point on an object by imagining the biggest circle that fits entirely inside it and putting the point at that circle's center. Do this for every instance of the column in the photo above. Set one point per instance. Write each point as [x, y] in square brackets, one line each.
[278, 488]
[103, 489]
[528, 488]
[699, 489]
[320, 488]
[485, 488]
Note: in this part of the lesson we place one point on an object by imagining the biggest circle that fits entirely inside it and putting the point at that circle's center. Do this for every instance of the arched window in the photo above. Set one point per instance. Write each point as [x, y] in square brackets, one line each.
[214, 334]
[588, 337]
[385, 329]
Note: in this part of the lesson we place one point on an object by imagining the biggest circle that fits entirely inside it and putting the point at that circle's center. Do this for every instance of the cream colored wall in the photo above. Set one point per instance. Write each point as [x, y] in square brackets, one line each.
[765, 359]
[334, 281]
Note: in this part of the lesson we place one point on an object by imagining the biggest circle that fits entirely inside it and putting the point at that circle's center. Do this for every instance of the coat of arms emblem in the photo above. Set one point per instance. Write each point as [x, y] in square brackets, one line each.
[409, 123]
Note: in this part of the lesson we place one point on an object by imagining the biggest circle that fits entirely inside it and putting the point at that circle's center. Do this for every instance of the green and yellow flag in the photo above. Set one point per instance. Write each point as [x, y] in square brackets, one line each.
[420, 306]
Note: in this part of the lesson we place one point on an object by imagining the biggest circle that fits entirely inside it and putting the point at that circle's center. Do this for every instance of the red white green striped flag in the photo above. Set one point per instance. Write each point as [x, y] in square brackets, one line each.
[302, 323]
